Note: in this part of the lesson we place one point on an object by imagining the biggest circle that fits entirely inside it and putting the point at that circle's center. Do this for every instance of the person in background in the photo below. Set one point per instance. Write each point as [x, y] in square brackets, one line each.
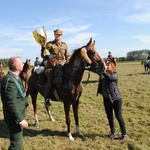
[148, 57]
[109, 57]
[14, 103]
[56, 52]
[37, 62]
[112, 99]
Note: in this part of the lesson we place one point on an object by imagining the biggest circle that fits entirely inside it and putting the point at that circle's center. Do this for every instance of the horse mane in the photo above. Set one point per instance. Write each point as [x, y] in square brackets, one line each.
[74, 54]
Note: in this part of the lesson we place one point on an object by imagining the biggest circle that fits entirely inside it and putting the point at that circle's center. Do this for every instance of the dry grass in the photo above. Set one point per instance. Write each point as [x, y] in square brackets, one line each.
[134, 86]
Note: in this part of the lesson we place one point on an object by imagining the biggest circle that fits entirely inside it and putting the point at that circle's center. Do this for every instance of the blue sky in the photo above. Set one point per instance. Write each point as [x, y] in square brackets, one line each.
[118, 26]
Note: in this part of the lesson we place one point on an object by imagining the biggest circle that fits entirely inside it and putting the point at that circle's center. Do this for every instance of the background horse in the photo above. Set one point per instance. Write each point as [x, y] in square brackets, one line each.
[70, 90]
[146, 65]
[24, 75]
[2, 74]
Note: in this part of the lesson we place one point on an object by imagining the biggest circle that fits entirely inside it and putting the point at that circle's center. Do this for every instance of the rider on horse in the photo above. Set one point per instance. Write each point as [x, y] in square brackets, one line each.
[148, 58]
[56, 52]
[109, 57]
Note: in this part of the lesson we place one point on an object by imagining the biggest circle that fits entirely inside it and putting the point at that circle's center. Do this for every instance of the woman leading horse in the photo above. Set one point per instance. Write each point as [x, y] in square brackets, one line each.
[69, 89]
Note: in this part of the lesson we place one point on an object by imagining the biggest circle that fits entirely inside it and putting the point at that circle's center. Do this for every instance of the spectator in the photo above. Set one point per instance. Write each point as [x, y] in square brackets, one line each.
[14, 103]
[37, 62]
[112, 99]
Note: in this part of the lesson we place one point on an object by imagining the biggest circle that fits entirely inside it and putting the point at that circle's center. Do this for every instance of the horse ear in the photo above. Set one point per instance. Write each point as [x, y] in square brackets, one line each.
[90, 41]
[94, 42]
[29, 59]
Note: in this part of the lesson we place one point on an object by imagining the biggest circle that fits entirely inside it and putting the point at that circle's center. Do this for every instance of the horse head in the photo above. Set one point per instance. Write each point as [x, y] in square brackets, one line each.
[90, 54]
[27, 65]
[24, 73]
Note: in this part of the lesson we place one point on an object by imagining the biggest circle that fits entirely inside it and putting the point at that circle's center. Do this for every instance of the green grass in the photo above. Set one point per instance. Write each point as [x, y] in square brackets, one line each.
[134, 86]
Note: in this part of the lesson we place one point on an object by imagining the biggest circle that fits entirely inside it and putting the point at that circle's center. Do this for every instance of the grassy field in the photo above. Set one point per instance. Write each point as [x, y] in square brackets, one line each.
[134, 86]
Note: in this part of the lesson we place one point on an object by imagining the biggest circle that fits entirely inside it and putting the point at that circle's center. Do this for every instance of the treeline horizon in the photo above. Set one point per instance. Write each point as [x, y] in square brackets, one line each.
[135, 55]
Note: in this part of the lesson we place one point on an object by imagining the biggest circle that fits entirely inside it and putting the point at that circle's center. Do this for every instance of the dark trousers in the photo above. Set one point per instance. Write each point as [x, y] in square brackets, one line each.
[48, 89]
[16, 136]
[117, 107]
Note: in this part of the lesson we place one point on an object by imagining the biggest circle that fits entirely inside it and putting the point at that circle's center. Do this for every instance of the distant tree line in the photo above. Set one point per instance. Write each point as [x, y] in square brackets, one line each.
[4, 62]
[136, 55]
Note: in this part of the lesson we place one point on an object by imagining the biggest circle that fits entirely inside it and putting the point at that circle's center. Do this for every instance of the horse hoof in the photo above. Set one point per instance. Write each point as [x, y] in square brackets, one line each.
[53, 120]
[70, 137]
[36, 125]
[83, 137]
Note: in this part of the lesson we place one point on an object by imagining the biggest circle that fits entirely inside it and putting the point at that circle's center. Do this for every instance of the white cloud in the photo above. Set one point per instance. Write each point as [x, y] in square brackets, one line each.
[145, 39]
[72, 29]
[80, 39]
[138, 18]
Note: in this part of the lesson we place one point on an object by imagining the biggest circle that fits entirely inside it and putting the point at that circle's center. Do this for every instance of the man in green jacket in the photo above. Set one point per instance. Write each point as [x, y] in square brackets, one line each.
[14, 103]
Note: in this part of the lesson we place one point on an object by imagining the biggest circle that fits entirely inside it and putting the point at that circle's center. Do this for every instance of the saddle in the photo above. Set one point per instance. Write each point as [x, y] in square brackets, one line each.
[42, 79]
[57, 78]
[40, 71]
[58, 74]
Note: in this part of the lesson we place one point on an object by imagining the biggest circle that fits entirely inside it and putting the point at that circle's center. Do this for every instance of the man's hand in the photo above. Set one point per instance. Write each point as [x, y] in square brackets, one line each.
[42, 48]
[24, 124]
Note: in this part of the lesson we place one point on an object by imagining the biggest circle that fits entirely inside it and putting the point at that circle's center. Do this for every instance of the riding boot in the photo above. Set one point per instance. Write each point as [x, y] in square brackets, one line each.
[42, 79]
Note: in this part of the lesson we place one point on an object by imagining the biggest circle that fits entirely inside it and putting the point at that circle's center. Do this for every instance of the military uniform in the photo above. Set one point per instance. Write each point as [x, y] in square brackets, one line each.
[14, 104]
[59, 51]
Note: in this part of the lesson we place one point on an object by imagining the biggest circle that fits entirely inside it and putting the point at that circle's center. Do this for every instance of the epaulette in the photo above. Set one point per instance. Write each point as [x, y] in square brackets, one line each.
[63, 42]
[49, 42]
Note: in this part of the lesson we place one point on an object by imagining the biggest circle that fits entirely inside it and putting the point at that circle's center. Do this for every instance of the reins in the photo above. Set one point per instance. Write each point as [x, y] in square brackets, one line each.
[87, 81]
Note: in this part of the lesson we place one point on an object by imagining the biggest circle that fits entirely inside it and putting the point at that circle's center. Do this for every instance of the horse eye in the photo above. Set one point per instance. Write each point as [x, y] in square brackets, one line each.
[91, 52]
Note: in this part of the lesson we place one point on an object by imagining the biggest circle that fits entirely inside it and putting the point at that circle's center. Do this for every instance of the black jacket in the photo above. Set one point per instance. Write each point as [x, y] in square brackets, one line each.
[108, 86]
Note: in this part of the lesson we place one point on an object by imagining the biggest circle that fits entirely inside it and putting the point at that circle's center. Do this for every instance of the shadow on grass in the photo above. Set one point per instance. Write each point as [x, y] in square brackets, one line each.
[48, 132]
[87, 82]
[133, 74]
[4, 133]
[94, 136]
[43, 132]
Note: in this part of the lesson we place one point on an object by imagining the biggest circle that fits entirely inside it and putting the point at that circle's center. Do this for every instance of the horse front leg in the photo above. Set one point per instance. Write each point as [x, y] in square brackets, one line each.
[75, 112]
[34, 103]
[26, 85]
[68, 120]
[49, 114]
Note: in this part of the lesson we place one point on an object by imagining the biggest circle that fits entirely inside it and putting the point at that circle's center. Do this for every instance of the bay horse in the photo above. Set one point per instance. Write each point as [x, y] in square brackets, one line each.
[146, 65]
[70, 90]
[2, 74]
[24, 75]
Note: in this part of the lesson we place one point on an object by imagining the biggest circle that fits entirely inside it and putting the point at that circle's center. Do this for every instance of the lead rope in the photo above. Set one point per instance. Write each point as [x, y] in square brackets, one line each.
[87, 79]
